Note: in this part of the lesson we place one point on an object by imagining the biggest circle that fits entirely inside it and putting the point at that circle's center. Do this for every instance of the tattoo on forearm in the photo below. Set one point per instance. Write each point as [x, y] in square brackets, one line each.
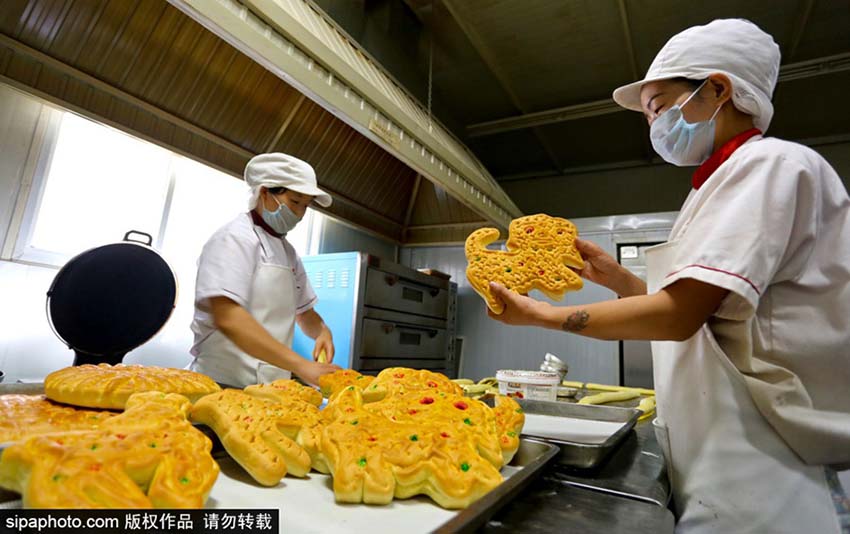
[576, 321]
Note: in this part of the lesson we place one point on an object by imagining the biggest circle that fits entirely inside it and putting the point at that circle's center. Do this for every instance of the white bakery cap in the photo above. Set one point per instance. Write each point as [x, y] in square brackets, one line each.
[735, 47]
[282, 170]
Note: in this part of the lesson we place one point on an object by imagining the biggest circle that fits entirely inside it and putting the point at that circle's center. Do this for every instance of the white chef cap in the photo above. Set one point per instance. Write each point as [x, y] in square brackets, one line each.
[735, 47]
[282, 170]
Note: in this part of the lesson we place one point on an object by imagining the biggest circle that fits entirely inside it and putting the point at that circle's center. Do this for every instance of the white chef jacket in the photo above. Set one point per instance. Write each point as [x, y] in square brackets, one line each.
[226, 269]
[772, 226]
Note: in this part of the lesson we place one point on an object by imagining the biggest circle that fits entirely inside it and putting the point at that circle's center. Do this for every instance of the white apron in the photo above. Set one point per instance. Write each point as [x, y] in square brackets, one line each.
[272, 304]
[729, 470]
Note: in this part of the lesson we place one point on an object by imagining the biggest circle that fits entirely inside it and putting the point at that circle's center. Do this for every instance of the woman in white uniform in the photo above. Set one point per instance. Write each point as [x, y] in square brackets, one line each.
[252, 288]
[747, 305]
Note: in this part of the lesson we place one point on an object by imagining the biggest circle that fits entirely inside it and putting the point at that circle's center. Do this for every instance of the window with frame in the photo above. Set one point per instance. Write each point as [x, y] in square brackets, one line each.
[93, 184]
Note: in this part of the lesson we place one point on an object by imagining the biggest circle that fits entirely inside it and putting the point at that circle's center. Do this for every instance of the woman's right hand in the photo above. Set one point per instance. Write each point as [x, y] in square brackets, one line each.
[601, 268]
[310, 371]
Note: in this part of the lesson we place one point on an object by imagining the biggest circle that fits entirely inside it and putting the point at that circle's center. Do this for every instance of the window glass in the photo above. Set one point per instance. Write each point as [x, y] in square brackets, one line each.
[101, 183]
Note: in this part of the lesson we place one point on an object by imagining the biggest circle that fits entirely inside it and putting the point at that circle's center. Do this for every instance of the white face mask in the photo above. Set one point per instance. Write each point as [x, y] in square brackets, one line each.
[680, 142]
[282, 220]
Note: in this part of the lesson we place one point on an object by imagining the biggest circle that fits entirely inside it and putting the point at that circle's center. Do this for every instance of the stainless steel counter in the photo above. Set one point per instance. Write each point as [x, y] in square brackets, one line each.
[628, 493]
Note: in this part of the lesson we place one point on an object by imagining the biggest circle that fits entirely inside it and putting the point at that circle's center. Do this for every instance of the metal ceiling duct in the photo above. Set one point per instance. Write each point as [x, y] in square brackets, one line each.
[298, 42]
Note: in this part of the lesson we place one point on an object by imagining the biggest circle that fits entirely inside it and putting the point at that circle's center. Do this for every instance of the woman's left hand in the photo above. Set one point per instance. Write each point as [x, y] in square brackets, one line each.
[324, 342]
[520, 310]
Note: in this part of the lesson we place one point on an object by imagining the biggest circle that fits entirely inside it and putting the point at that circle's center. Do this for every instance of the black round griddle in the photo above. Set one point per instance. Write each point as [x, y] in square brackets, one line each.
[109, 300]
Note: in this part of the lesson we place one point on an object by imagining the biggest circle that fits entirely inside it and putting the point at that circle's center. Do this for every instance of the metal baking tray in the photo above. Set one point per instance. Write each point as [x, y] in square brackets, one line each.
[308, 504]
[527, 464]
[531, 457]
[584, 455]
[34, 388]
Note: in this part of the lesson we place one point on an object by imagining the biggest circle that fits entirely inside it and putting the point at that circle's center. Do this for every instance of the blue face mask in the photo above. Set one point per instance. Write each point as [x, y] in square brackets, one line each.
[680, 142]
[282, 220]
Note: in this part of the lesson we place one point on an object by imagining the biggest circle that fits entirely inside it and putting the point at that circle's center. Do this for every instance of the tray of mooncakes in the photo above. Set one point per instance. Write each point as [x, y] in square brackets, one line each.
[403, 451]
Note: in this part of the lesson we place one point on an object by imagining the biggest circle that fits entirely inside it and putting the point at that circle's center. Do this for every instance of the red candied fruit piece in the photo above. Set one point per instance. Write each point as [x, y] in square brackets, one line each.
[443, 434]
[412, 412]
[432, 384]
[460, 405]
[426, 400]
[398, 375]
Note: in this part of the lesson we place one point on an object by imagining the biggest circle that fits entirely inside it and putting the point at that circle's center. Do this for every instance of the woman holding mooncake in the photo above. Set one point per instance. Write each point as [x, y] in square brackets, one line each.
[747, 305]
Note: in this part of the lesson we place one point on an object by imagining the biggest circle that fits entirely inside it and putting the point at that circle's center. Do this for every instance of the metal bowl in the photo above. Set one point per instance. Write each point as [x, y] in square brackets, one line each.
[553, 364]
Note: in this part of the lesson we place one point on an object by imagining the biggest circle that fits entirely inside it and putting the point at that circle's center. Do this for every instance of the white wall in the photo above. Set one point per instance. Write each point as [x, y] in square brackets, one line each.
[339, 237]
[28, 348]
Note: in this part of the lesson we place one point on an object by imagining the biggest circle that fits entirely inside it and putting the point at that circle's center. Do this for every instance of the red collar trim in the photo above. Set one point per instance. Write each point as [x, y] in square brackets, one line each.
[720, 155]
[262, 224]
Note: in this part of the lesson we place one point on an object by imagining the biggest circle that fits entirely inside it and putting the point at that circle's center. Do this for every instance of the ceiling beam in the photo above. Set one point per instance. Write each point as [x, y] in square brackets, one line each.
[286, 122]
[791, 71]
[627, 35]
[447, 225]
[648, 151]
[812, 142]
[799, 28]
[492, 63]
[412, 202]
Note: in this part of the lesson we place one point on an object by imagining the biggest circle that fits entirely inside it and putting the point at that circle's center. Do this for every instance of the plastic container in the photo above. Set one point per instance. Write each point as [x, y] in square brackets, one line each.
[536, 385]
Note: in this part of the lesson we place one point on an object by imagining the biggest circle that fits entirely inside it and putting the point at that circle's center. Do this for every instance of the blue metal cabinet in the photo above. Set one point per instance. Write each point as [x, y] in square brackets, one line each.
[336, 281]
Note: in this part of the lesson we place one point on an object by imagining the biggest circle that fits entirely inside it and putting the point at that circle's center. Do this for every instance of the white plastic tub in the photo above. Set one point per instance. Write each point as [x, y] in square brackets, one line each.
[536, 385]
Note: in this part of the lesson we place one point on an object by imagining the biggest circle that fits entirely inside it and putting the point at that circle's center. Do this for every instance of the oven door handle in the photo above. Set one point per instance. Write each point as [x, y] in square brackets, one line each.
[392, 280]
[389, 327]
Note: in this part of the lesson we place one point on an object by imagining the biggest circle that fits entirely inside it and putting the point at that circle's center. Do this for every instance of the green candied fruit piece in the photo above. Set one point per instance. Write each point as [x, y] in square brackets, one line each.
[375, 386]
[508, 269]
[152, 445]
[467, 421]
[414, 437]
[519, 410]
[464, 467]
[184, 480]
[512, 434]
[355, 422]
[94, 447]
[350, 388]
[361, 462]
[360, 377]
[477, 258]
[57, 477]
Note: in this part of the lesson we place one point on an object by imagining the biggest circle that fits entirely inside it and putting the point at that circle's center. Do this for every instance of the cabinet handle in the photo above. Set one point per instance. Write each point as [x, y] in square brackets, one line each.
[389, 327]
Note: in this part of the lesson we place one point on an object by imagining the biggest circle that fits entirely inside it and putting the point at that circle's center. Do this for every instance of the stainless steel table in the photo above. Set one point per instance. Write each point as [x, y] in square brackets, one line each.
[628, 493]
